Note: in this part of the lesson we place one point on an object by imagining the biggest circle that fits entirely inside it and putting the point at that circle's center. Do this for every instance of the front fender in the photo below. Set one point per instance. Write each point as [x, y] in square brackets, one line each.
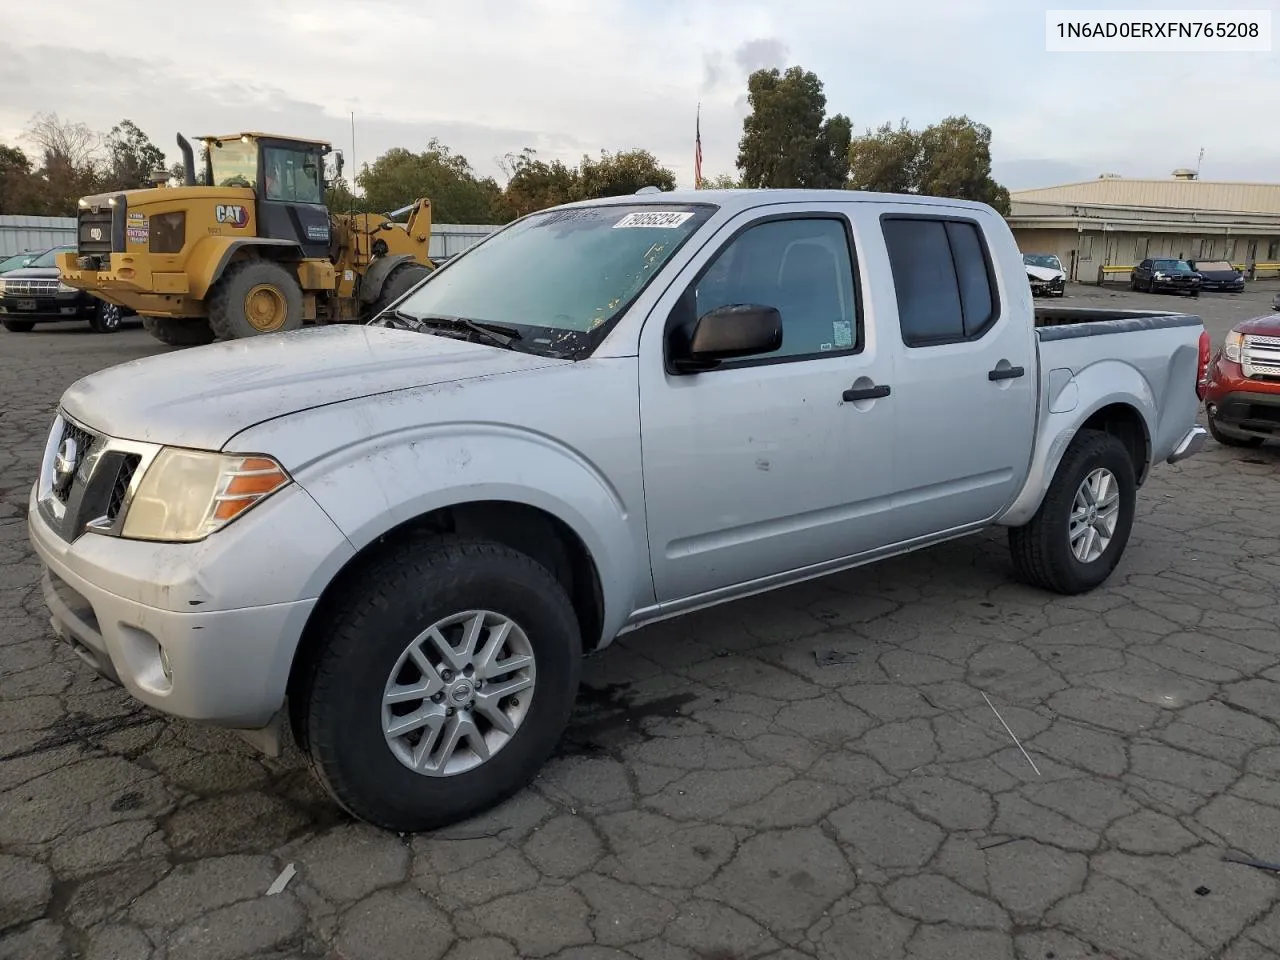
[372, 487]
[211, 256]
[1066, 404]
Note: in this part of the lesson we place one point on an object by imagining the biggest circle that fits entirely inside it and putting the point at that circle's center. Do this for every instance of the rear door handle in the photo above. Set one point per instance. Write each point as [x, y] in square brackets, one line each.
[1010, 373]
[866, 393]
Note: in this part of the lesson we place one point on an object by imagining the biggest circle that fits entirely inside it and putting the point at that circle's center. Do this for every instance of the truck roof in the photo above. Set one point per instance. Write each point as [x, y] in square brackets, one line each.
[257, 135]
[738, 200]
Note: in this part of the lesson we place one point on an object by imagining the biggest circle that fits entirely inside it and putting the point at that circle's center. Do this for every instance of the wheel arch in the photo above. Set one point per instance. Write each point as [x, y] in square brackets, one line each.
[1125, 408]
[521, 526]
[376, 276]
[229, 251]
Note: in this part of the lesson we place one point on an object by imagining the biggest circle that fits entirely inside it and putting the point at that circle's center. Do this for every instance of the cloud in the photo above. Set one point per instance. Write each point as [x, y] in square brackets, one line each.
[569, 77]
[760, 54]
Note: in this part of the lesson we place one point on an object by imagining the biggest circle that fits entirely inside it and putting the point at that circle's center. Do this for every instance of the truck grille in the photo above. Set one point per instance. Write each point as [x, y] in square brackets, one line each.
[1260, 357]
[30, 288]
[83, 440]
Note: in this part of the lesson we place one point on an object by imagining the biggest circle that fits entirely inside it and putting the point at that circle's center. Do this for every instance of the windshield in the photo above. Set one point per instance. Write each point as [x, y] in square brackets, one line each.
[15, 261]
[48, 258]
[1214, 265]
[1172, 265]
[235, 163]
[1042, 260]
[560, 278]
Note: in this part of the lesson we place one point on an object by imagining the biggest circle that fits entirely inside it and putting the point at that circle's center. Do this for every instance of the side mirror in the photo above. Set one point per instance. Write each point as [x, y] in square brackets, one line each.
[725, 333]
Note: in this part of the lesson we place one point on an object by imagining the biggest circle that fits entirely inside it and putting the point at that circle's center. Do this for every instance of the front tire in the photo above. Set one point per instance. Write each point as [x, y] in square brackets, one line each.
[389, 702]
[19, 326]
[1076, 538]
[178, 331]
[255, 297]
[106, 318]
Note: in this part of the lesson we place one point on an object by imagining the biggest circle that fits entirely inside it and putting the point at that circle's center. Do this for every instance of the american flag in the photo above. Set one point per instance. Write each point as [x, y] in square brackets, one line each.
[697, 151]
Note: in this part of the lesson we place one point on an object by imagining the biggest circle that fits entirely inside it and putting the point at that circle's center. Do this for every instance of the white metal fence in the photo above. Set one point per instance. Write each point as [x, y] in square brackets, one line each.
[19, 234]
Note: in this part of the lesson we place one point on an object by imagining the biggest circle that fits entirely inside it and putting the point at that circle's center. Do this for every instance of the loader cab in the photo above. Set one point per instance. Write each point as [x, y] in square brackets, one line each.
[286, 175]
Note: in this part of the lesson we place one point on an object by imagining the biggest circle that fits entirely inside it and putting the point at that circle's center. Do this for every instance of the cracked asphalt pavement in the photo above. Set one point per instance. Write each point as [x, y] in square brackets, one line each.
[811, 773]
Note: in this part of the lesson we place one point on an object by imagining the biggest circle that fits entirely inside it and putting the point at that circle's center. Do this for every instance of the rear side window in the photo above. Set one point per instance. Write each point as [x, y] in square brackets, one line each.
[943, 280]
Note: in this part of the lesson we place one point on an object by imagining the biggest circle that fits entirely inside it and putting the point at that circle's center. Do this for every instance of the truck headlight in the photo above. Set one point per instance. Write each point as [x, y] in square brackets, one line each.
[1231, 346]
[185, 495]
[1, 286]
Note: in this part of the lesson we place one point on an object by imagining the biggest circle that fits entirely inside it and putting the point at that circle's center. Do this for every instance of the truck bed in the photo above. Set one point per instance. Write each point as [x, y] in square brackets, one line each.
[1067, 323]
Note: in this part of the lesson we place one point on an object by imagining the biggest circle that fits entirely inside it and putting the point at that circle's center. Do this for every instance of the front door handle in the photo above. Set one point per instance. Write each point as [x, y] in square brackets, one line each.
[866, 393]
[1009, 373]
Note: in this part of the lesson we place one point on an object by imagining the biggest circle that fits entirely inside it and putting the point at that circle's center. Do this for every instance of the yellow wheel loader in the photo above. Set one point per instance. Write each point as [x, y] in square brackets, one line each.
[245, 246]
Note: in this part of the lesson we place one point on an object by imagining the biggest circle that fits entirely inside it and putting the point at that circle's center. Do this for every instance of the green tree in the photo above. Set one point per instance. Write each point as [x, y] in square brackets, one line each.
[787, 138]
[534, 184]
[131, 158]
[616, 175]
[721, 181]
[885, 161]
[68, 168]
[951, 158]
[457, 195]
[20, 188]
[955, 161]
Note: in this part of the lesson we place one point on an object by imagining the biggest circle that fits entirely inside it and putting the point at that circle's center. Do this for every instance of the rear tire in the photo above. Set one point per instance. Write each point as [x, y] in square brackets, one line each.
[255, 297]
[106, 318]
[336, 698]
[1044, 551]
[179, 332]
[19, 326]
[399, 281]
[1227, 439]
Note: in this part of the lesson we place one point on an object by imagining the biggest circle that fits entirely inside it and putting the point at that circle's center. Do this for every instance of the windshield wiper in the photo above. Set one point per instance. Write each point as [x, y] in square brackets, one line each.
[493, 332]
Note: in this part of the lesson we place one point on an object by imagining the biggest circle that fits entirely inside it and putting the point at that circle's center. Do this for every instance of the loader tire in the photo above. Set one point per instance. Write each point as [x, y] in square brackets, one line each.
[399, 281]
[254, 297]
[179, 332]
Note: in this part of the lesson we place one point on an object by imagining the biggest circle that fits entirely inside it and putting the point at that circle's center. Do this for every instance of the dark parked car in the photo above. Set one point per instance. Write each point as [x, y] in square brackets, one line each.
[34, 294]
[1156, 275]
[16, 260]
[1218, 275]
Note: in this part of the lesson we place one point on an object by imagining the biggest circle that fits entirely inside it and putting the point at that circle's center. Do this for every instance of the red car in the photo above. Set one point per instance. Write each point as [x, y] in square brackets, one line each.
[1241, 386]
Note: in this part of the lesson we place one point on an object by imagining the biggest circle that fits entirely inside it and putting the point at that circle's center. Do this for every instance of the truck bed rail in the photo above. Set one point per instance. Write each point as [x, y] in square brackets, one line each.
[1066, 323]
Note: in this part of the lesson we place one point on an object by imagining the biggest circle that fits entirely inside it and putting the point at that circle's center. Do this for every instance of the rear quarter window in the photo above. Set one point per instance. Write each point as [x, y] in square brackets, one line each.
[942, 277]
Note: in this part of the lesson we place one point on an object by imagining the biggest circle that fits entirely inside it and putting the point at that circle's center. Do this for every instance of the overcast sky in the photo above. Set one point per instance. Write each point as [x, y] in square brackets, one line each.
[571, 76]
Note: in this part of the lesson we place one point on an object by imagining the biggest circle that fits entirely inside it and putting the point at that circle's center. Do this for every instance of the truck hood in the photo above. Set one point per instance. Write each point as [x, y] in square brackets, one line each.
[1043, 273]
[1264, 326]
[203, 396]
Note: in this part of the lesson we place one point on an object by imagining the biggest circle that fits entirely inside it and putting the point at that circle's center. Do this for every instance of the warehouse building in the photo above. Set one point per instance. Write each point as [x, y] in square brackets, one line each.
[1100, 228]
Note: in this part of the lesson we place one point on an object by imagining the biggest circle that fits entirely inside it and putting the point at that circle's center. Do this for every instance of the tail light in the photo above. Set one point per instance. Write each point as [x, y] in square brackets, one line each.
[1202, 374]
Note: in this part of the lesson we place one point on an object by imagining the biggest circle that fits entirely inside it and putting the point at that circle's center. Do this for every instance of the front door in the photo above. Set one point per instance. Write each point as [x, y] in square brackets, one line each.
[767, 465]
[291, 197]
[964, 390]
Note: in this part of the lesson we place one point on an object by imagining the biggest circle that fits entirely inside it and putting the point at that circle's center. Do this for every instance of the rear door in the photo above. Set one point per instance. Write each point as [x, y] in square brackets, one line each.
[768, 465]
[964, 390]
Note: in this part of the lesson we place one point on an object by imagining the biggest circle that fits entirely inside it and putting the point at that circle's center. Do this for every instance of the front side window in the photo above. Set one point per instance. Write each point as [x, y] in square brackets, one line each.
[234, 163]
[292, 175]
[801, 267]
[561, 278]
[943, 280]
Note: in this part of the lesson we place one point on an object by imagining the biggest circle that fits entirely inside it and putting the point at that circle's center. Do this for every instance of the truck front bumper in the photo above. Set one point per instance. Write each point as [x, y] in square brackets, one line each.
[1251, 413]
[124, 281]
[227, 664]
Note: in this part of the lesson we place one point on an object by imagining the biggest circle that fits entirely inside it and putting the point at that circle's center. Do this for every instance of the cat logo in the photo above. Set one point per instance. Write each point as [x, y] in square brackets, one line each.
[229, 213]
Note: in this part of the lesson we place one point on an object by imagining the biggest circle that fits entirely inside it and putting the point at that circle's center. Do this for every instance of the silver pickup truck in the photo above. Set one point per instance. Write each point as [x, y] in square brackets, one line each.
[399, 540]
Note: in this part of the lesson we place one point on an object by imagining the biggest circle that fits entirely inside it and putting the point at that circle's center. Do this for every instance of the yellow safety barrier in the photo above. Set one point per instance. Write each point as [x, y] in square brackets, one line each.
[1114, 272]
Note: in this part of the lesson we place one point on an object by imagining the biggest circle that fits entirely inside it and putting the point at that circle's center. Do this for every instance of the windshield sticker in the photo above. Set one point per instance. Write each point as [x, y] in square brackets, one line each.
[664, 219]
